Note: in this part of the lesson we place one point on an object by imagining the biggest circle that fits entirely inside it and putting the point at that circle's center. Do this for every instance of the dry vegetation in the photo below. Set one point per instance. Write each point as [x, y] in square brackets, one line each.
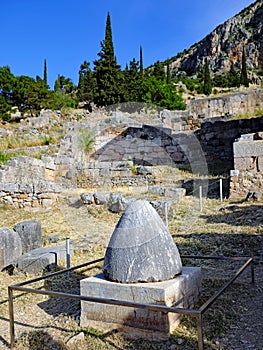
[231, 228]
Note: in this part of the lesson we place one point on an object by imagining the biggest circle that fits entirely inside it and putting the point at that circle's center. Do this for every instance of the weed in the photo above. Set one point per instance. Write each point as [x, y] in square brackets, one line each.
[3, 158]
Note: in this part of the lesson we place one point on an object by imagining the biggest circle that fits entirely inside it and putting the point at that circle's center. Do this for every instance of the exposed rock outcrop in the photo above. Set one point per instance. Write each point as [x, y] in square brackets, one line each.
[224, 45]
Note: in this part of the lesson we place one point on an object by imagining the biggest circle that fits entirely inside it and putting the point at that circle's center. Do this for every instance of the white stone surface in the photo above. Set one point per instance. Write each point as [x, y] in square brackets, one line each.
[182, 291]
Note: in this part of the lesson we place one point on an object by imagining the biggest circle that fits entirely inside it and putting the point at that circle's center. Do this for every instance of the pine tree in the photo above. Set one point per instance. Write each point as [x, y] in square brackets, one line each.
[107, 72]
[243, 77]
[45, 72]
[207, 79]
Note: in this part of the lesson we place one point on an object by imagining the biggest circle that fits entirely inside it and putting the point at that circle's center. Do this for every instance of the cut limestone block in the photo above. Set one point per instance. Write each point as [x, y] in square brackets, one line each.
[30, 233]
[182, 291]
[41, 259]
[10, 246]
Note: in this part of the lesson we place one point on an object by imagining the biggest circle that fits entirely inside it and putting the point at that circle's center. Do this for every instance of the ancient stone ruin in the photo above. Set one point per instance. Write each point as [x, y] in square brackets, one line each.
[248, 163]
[141, 265]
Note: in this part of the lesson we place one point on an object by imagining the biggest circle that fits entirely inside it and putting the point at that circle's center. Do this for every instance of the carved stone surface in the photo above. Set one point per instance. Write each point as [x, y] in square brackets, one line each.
[10, 246]
[30, 233]
[141, 248]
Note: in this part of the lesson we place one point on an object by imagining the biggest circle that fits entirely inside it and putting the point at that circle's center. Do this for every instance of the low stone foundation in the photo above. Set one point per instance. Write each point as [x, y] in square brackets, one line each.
[182, 291]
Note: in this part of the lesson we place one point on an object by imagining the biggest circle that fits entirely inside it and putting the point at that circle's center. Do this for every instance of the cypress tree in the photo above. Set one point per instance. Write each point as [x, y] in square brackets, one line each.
[141, 61]
[243, 77]
[207, 79]
[45, 72]
[107, 72]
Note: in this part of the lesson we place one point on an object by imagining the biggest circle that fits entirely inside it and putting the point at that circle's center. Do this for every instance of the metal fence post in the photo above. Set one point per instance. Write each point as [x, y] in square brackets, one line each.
[221, 189]
[200, 331]
[68, 256]
[11, 317]
[200, 198]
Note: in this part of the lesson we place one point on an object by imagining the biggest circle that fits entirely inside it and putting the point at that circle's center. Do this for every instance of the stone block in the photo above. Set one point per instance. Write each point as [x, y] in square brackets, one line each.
[87, 198]
[10, 246]
[30, 233]
[101, 198]
[41, 259]
[182, 291]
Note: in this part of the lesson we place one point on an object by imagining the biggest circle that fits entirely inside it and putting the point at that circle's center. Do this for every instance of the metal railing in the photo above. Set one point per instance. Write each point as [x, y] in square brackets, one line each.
[198, 313]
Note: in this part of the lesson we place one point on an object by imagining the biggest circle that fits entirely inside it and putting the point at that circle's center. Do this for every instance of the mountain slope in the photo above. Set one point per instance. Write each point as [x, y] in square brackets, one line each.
[224, 45]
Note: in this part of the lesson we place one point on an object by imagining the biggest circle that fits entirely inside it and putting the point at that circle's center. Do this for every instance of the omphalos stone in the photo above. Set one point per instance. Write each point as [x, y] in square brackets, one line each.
[141, 249]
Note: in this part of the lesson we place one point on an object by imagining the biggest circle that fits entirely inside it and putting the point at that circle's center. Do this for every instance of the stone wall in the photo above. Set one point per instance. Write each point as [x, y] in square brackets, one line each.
[247, 175]
[26, 182]
[221, 107]
[217, 140]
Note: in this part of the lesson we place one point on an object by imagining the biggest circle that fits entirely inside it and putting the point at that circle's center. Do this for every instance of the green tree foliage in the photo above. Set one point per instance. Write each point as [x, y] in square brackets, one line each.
[107, 72]
[161, 94]
[64, 85]
[207, 79]
[6, 92]
[29, 95]
[132, 82]
[86, 83]
[168, 74]
[158, 71]
[233, 78]
[45, 72]
[244, 78]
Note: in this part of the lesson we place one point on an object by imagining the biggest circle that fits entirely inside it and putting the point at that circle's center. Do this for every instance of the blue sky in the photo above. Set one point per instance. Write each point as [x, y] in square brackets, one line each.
[67, 32]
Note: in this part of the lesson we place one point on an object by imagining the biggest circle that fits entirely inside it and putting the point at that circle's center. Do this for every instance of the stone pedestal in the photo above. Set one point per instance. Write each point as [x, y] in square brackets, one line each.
[181, 291]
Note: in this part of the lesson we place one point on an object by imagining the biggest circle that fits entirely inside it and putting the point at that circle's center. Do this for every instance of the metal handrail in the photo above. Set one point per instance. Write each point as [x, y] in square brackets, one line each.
[198, 313]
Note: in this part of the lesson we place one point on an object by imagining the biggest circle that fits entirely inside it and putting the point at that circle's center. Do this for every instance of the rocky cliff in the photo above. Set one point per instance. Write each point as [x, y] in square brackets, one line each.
[224, 45]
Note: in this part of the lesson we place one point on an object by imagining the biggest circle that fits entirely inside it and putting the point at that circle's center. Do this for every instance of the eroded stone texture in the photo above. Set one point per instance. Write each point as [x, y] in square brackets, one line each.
[30, 233]
[141, 248]
[10, 246]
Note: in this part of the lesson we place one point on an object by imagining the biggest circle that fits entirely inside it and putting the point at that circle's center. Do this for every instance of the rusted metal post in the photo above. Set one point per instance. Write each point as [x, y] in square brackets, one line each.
[200, 331]
[11, 317]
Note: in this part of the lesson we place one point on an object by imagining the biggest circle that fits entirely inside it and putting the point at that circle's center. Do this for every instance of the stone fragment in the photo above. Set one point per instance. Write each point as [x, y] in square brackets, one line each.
[144, 170]
[101, 198]
[10, 246]
[76, 338]
[87, 198]
[30, 233]
[141, 248]
[37, 260]
[117, 203]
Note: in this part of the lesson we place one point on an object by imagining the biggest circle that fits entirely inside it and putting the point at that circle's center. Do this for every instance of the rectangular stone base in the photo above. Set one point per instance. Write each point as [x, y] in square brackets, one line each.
[182, 291]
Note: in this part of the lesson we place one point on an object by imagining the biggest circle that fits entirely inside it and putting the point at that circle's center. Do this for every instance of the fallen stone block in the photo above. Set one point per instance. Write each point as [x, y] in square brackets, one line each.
[101, 198]
[30, 233]
[40, 259]
[10, 246]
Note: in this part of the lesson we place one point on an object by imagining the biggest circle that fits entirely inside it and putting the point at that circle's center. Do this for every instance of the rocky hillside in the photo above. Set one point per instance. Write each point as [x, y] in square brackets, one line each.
[224, 45]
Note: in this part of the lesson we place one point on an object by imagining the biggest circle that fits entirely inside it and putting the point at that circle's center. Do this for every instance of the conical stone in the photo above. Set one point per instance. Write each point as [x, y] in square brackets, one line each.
[141, 249]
